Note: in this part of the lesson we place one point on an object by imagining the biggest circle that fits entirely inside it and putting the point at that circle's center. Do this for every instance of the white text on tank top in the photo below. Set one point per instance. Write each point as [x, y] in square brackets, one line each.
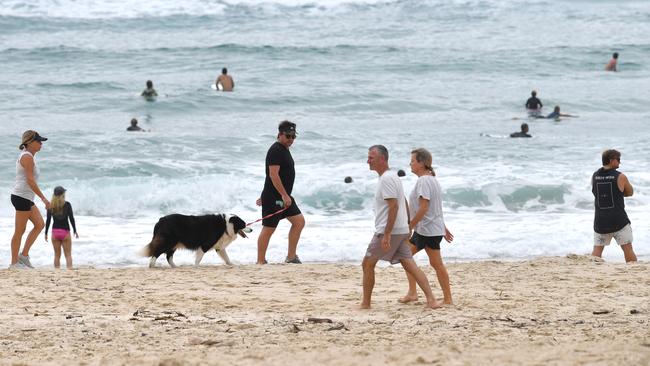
[432, 224]
[21, 188]
[389, 186]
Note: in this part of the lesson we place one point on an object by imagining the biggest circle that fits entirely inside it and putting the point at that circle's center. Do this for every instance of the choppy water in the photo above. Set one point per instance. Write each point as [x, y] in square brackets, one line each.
[411, 73]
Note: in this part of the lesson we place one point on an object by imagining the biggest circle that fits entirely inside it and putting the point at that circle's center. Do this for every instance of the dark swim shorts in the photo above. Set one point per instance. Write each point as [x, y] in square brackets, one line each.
[421, 241]
[21, 204]
[271, 207]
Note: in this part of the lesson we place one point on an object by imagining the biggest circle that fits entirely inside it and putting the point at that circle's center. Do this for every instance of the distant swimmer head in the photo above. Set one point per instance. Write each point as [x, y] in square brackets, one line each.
[348, 180]
[556, 109]
[534, 93]
[134, 122]
[149, 84]
[615, 55]
[524, 127]
[401, 173]
[29, 137]
[224, 71]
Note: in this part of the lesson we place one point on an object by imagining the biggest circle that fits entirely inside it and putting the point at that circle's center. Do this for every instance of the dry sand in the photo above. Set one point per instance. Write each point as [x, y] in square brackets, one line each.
[564, 311]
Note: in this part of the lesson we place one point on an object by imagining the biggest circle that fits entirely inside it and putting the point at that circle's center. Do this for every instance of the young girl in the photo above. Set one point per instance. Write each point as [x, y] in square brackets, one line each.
[61, 212]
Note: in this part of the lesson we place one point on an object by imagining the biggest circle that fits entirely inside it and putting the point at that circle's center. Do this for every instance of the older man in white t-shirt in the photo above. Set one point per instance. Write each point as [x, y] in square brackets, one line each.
[391, 229]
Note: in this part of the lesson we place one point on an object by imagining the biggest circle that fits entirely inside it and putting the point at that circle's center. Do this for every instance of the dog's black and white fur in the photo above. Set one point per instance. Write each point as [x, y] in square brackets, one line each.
[197, 233]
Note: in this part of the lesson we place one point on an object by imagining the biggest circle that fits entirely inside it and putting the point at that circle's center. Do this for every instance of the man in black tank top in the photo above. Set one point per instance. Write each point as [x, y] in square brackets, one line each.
[609, 187]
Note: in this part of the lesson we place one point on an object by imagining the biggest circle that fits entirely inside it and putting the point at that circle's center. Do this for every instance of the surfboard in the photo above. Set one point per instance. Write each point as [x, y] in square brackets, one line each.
[216, 87]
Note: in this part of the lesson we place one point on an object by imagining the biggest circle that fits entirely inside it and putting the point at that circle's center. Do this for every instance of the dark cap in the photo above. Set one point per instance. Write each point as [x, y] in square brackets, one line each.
[287, 127]
[30, 136]
[58, 190]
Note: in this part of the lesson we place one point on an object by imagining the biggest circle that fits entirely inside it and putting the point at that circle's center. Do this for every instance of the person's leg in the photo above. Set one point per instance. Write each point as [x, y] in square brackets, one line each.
[19, 229]
[56, 244]
[412, 293]
[263, 243]
[67, 251]
[435, 259]
[297, 224]
[37, 220]
[412, 268]
[598, 251]
[628, 252]
[368, 265]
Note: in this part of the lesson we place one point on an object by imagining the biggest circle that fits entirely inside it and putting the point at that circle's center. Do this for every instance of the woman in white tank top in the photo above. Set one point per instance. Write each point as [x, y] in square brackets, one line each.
[22, 198]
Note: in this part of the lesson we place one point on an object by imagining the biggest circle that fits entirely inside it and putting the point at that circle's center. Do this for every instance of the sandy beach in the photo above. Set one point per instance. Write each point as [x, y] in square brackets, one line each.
[564, 311]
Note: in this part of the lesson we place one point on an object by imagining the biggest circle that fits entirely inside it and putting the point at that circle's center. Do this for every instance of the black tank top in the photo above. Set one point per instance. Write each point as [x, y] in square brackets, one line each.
[609, 202]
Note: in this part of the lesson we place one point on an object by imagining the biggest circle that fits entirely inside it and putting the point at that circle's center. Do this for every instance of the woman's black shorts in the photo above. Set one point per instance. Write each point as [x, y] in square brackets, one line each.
[421, 241]
[21, 204]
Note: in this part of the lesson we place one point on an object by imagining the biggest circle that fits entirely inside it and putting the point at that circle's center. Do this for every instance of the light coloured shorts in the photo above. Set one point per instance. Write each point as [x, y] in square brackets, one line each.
[399, 248]
[622, 237]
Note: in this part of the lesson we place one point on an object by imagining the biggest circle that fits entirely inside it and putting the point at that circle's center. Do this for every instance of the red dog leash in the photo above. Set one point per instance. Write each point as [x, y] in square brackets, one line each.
[267, 216]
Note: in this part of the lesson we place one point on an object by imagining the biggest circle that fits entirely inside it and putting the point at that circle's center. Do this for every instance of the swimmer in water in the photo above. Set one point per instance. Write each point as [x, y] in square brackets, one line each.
[523, 132]
[149, 92]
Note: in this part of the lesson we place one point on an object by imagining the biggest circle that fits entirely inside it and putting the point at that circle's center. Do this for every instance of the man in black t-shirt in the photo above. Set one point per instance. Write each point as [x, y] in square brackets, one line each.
[276, 195]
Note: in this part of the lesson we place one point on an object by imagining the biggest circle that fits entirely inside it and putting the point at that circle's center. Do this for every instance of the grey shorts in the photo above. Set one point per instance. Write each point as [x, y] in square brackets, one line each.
[622, 237]
[399, 248]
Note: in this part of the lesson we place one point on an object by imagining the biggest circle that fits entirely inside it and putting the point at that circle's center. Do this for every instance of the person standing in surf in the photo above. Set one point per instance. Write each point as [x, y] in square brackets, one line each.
[610, 187]
[225, 82]
[22, 198]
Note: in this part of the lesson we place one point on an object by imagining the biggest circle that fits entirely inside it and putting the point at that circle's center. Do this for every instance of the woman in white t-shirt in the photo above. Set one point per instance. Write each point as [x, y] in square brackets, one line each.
[426, 222]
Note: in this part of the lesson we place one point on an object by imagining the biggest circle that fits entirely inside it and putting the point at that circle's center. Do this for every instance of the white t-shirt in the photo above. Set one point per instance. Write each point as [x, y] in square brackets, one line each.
[390, 187]
[432, 224]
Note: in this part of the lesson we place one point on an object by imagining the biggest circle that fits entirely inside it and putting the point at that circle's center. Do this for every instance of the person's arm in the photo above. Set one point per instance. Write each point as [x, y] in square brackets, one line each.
[566, 115]
[393, 206]
[424, 207]
[27, 161]
[624, 185]
[540, 103]
[274, 174]
[216, 82]
[449, 237]
[47, 222]
[74, 226]
[233, 82]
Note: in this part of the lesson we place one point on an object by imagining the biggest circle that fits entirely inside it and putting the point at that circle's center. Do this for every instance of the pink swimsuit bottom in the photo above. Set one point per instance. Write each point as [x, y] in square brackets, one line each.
[60, 234]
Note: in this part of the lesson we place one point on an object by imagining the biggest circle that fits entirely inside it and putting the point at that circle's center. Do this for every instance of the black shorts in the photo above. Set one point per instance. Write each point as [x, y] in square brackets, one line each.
[21, 204]
[271, 207]
[421, 241]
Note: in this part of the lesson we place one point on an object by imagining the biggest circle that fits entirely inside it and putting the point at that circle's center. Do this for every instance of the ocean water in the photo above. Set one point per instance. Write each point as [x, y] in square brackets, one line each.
[445, 75]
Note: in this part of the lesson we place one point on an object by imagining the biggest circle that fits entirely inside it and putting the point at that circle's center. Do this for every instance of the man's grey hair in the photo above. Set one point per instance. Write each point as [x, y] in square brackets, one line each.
[381, 149]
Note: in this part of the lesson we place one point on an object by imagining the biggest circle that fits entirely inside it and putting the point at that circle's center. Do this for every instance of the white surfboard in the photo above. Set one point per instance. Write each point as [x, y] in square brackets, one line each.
[216, 87]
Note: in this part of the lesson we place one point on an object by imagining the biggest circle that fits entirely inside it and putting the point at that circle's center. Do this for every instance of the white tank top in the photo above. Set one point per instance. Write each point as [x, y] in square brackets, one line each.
[21, 188]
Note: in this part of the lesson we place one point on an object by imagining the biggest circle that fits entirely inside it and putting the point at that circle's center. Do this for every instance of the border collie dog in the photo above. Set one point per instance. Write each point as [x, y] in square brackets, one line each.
[197, 233]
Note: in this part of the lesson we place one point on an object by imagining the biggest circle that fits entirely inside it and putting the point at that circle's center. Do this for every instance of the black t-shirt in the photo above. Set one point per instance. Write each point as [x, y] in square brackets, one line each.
[609, 202]
[278, 155]
[533, 103]
[61, 220]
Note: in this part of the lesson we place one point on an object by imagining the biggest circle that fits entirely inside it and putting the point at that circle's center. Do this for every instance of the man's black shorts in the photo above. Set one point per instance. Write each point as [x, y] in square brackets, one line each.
[21, 204]
[421, 241]
[271, 207]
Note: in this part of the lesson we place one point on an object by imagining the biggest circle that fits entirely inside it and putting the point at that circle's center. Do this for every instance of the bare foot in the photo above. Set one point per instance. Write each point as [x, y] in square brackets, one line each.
[364, 306]
[408, 298]
[432, 304]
